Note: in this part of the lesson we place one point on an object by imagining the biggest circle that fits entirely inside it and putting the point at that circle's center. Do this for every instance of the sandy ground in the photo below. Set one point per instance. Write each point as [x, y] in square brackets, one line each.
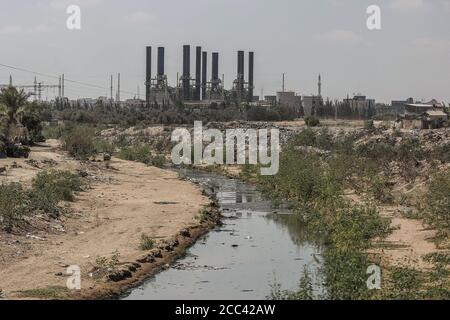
[126, 200]
[409, 240]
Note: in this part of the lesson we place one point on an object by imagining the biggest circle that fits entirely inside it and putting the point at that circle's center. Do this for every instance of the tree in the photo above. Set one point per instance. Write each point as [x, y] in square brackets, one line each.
[13, 102]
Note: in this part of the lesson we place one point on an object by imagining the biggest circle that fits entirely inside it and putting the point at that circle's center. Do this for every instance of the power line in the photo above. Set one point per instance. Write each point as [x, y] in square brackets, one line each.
[66, 80]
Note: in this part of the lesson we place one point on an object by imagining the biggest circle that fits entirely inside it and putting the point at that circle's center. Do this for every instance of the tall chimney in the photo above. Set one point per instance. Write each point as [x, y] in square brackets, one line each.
[251, 57]
[186, 71]
[160, 61]
[204, 73]
[215, 70]
[240, 64]
[240, 74]
[148, 74]
[198, 71]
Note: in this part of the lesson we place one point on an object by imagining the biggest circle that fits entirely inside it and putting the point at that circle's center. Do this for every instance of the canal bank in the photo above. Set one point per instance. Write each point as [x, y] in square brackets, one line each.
[254, 250]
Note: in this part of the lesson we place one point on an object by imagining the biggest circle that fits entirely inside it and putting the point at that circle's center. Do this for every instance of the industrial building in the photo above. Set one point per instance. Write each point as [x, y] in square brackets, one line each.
[197, 90]
[312, 103]
[362, 105]
[289, 99]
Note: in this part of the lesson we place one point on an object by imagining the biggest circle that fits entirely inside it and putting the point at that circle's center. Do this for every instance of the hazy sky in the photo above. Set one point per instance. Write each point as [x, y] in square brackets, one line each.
[409, 56]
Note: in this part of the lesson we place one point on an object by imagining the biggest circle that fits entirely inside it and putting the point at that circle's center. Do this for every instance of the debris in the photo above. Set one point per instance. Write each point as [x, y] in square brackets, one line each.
[185, 233]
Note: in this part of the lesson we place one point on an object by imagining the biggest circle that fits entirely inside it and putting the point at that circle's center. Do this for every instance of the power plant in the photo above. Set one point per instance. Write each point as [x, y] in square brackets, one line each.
[200, 89]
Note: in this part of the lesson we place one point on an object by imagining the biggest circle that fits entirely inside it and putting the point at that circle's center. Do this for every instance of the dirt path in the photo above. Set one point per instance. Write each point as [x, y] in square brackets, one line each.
[409, 240]
[126, 200]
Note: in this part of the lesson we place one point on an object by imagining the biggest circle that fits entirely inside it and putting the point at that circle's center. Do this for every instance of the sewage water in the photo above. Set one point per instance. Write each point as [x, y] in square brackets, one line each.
[256, 247]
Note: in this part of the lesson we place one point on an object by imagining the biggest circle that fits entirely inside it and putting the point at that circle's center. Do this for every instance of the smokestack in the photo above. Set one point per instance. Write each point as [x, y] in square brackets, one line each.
[240, 64]
[215, 66]
[251, 57]
[160, 61]
[186, 71]
[204, 73]
[198, 71]
[148, 74]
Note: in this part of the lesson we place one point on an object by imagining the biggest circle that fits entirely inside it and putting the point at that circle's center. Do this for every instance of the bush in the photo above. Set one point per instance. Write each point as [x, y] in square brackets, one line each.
[312, 121]
[104, 146]
[13, 206]
[369, 125]
[17, 151]
[79, 141]
[437, 202]
[138, 153]
[159, 161]
[380, 190]
[147, 243]
[442, 152]
[53, 132]
[58, 184]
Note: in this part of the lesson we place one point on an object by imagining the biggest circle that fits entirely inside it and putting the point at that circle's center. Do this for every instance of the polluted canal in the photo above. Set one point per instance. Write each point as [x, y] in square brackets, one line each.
[256, 247]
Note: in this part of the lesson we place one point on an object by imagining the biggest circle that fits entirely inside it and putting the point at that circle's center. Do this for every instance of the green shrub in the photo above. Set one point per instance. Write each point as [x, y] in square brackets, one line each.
[305, 138]
[405, 284]
[369, 125]
[380, 190]
[437, 203]
[108, 263]
[305, 290]
[17, 151]
[53, 132]
[78, 140]
[147, 243]
[442, 152]
[104, 146]
[61, 183]
[13, 206]
[159, 161]
[138, 153]
[312, 121]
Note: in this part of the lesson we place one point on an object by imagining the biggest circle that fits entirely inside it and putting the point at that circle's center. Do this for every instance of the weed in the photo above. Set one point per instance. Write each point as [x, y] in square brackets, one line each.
[13, 206]
[147, 243]
[138, 153]
[78, 140]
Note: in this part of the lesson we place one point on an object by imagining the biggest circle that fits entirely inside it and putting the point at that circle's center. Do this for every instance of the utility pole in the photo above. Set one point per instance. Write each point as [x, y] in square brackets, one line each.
[112, 99]
[35, 89]
[40, 91]
[118, 87]
[10, 81]
[320, 85]
[59, 88]
[63, 84]
[283, 84]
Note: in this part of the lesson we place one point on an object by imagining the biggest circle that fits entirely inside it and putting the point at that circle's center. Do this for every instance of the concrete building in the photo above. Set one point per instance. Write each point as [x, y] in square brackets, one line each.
[272, 100]
[398, 106]
[430, 115]
[289, 99]
[417, 109]
[362, 105]
[311, 104]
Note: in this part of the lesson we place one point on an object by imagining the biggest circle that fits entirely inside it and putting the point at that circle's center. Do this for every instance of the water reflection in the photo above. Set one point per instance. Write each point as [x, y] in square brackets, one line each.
[242, 258]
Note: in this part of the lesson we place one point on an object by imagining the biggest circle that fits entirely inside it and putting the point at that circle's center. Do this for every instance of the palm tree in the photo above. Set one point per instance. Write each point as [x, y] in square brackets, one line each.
[12, 102]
